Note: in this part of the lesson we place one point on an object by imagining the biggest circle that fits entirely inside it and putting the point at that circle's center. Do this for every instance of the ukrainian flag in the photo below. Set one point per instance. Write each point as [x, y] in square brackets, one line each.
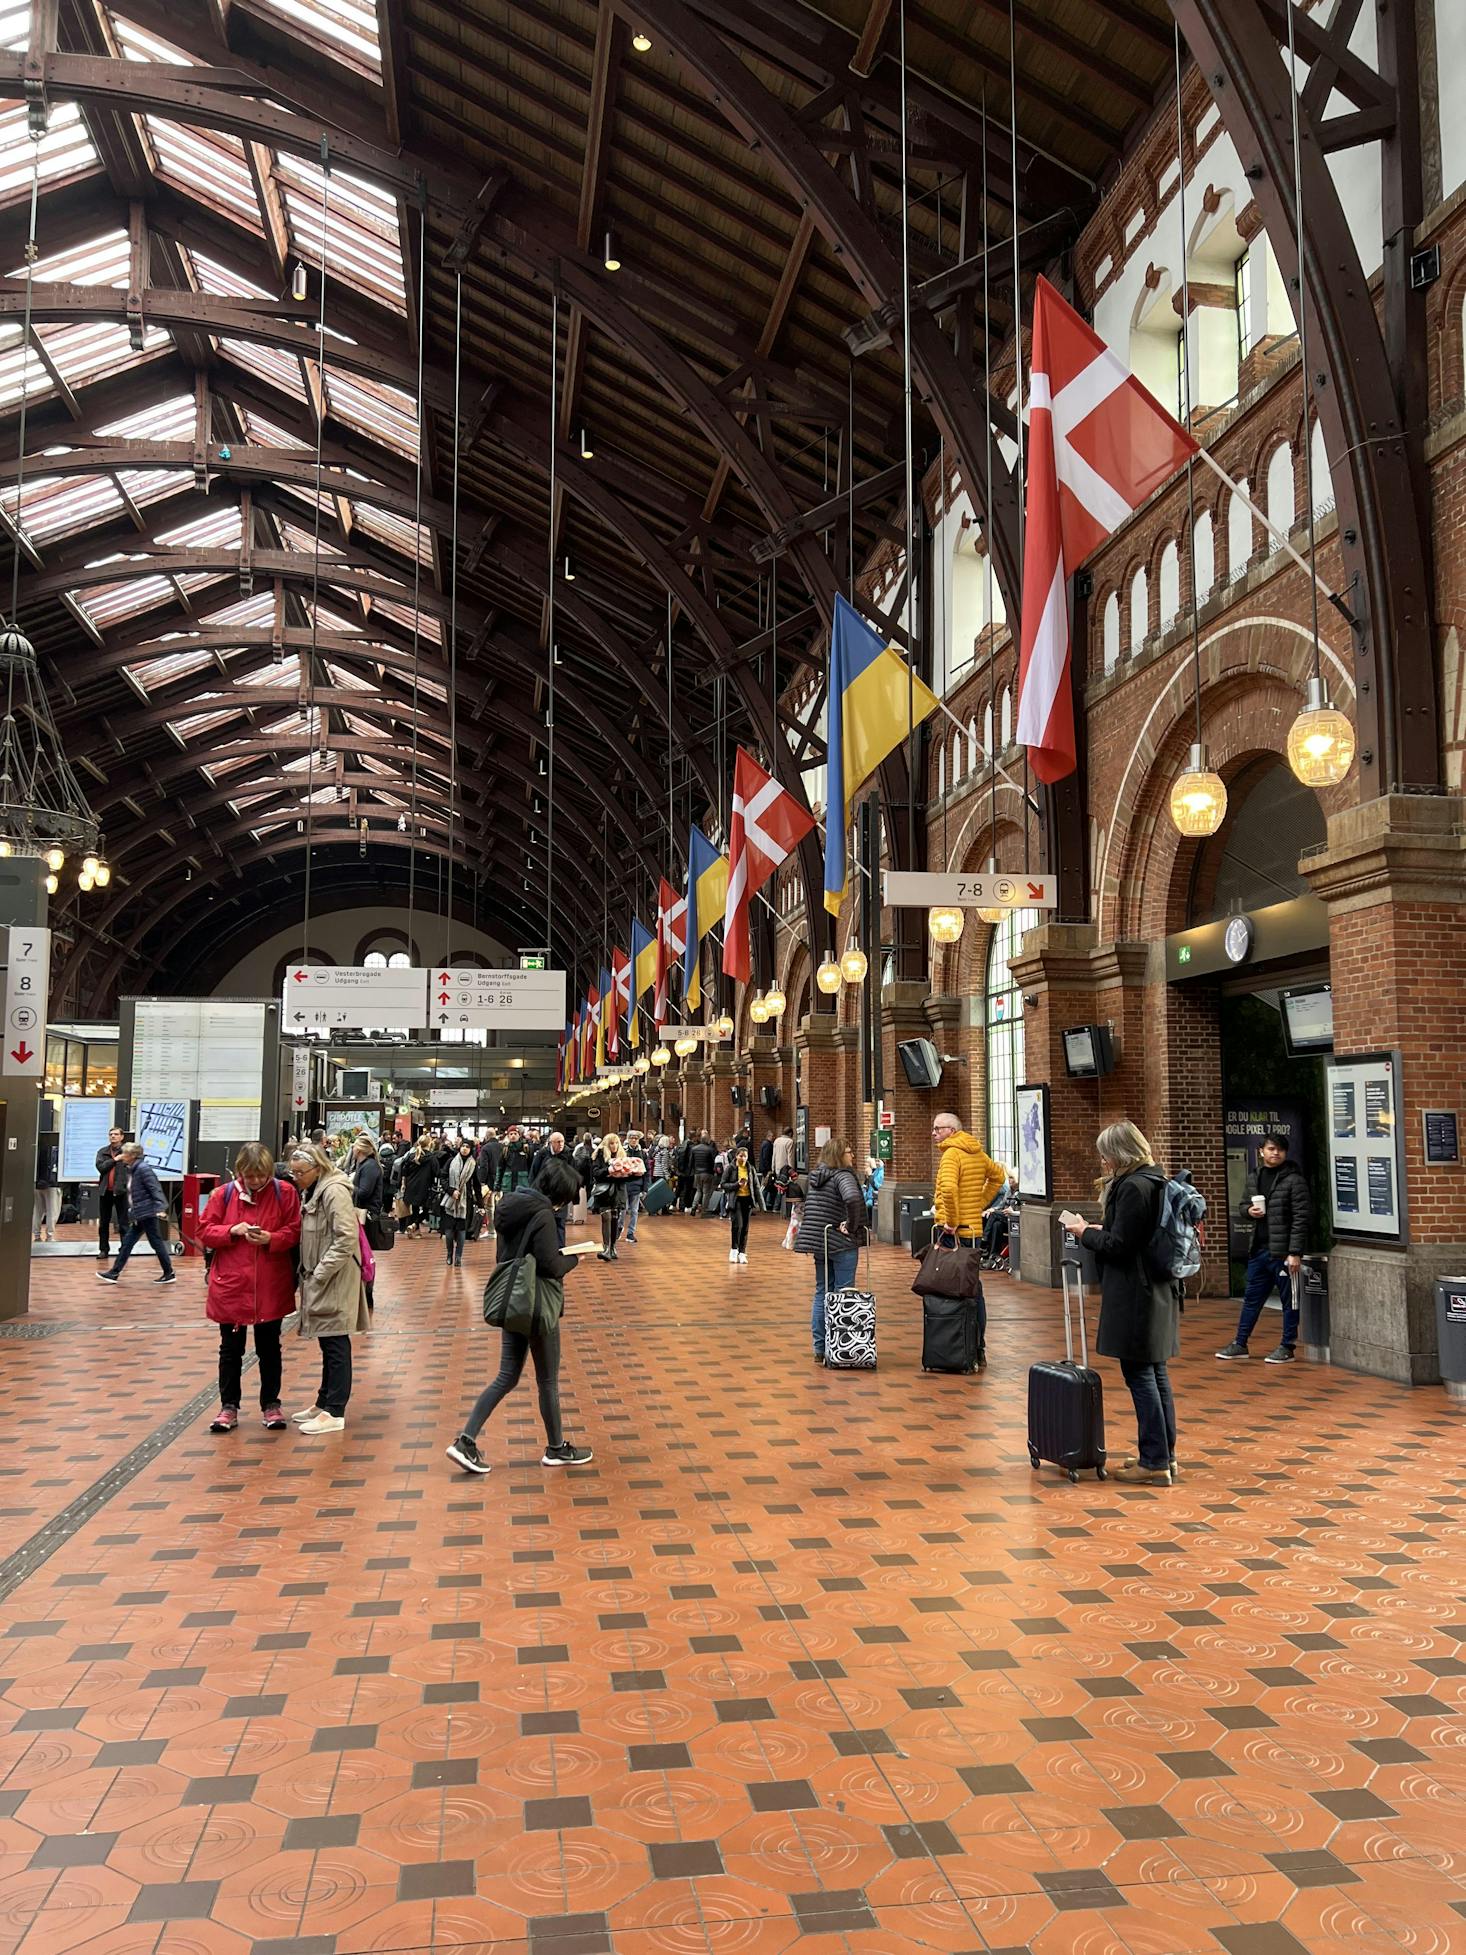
[643, 972]
[873, 703]
[605, 1006]
[707, 897]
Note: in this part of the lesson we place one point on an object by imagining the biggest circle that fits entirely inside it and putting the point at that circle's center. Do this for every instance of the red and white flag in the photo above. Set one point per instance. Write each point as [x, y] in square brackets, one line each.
[1098, 446]
[671, 943]
[620, 1002]
[768, 825]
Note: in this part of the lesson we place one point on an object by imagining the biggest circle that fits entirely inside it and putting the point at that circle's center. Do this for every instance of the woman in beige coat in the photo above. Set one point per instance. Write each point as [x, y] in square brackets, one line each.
[332, 1297]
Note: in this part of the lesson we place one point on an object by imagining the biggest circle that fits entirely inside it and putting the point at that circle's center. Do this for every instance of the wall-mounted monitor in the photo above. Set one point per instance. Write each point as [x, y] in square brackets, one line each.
[921, 1063]
[1308, 1020]
[1089, 1051]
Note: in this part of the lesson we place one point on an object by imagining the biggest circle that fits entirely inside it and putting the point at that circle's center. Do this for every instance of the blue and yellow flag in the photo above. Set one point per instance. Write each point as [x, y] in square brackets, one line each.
[643, 972]
[707, 896]
[874, 701]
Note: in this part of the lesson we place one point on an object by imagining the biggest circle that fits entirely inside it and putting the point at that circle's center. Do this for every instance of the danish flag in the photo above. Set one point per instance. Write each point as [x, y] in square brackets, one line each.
[768, 825]
[671, 943]
[620, 1002]
[1098, 447]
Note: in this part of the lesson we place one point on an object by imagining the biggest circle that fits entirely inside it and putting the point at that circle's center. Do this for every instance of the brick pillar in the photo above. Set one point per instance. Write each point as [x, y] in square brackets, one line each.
[762, 1068]
[686, 1087]
[825, 1053]
[1393, 875]
[911, 1169]
[721, 1072]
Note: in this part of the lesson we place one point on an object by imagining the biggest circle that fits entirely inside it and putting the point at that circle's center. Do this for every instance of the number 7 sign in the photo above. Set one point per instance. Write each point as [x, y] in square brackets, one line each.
[27, 982]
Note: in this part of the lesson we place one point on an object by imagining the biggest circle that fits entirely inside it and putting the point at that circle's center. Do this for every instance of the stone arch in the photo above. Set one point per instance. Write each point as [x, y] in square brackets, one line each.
[388, 938]
[1110, 633]
[1241, 532]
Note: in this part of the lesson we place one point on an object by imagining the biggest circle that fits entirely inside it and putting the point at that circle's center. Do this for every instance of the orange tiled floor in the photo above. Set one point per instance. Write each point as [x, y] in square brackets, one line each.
[805, 1661]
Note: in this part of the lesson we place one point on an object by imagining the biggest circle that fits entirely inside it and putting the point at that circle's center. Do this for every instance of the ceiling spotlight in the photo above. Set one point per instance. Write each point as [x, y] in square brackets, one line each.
[611, 260]
[569, 571]
[642, 42]
[297, 283]
[587, 452]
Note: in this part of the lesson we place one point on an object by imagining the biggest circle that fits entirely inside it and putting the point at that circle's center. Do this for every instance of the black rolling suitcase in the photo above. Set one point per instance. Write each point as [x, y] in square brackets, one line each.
[1066, 1402]
[952, 1333]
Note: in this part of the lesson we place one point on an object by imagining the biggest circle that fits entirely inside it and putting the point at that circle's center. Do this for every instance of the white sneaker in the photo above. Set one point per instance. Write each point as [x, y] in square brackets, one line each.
[741, 1257]
[323, 1422]
[732, 1255]
[306, 1413]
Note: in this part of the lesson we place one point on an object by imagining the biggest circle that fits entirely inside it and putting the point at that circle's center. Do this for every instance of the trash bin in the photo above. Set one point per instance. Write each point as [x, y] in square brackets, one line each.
[912, 1206]
[1313, 1308]
[1450, 1330]
[1015, 1245]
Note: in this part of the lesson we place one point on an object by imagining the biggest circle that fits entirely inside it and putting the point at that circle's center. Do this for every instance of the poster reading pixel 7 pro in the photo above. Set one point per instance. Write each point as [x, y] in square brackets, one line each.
[1365, 1178]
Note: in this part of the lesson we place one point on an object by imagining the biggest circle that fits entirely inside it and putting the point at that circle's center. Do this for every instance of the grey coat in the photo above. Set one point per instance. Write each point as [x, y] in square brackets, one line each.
[332, 1299]
[1139, 1314]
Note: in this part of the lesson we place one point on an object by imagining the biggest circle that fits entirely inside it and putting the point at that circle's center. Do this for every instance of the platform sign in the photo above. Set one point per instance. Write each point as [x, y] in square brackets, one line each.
[27, 981]
[507, 1001]
[300, 1079]
[350, 997]
[909, 889]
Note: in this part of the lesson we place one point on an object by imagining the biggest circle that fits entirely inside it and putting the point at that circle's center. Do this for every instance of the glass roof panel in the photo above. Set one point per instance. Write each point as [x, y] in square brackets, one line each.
[65, 149]
[59, 505]
[393, 529]
[15, 26]
[271, 363]
[345, 28]
[171, 665]
[364, 247]
[206, 165]
[196, 723]
[216, 529]
[269, 434]
[385, 413]
[348, 681]
[20, 370]
[401, 614]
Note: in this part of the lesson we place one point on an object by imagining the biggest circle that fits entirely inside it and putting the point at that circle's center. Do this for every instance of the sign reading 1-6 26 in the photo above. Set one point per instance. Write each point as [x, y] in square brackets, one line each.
[27, 981]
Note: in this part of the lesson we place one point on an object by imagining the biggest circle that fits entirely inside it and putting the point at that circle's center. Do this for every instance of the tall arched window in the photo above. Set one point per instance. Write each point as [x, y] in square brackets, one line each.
[1005, 1035]
[1005, 715]
[1112, 631]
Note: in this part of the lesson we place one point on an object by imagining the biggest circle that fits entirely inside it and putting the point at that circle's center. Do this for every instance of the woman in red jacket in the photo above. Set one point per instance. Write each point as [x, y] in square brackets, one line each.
[250, 1232]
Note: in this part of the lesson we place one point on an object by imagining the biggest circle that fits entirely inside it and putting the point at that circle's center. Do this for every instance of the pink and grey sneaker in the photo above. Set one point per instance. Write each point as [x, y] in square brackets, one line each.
[273, 1419]
[225, 1419]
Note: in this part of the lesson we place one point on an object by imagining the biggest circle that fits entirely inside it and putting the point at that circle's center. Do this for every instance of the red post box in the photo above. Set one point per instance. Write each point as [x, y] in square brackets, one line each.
[196, 1191]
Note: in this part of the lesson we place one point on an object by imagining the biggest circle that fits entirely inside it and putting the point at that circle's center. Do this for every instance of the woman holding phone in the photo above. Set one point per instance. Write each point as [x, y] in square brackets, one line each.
[250, 1230]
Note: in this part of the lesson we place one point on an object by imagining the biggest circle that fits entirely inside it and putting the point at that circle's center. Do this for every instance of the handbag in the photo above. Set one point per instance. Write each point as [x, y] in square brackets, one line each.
[517, 1298]
[950, 1269]
[401, 1209]
[380, 1231]
[368, 1260]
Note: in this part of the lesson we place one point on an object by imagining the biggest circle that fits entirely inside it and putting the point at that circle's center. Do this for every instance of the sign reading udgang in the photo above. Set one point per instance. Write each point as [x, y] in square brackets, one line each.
[349, 997]
[506, 1001]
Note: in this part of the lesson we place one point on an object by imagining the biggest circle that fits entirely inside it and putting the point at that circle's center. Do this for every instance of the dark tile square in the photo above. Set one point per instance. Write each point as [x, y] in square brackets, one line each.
[310, 1835]
[1260, 1938]
[782, 1795]
[273, 1706]
[73, 1850]
[49, 1720]
[861, 1744]
[548, 1724]
[363, 1666]
[883, 1633]
[179, 1679]
[1388, 1751]
[232, 1789]
[1354, 1804]
[989, 1659]
[1080, 1887]
[934, 1838]
[1242, 1717]
[1196, 1764]
[1055, 1730]
[445, 1771]
[544, 1653]
[685, 1859]
[569, 1934]
[1109, 1686]
[1281, 1676]
[833, 1911]
[658, 1758]
[129, 1751]
[555, 1815]
[179, 1900]
[450, 1693]
[638, 1680]
[1143, 1822]
[743, 1710]
[1413, 1704]
[295, 1945]
[435, 1880]
[930, 1697]
[345, 1737]
[1315, 1869]
[985, 1781]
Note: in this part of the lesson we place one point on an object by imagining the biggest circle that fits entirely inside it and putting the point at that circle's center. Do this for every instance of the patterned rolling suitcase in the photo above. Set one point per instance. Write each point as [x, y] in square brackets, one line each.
[850, 1324]
[1066, 1404]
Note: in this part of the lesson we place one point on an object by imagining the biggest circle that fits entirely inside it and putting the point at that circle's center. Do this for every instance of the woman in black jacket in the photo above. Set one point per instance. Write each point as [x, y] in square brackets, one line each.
[526, 1227]
[1139, 1315]
[742, 1194]
[832, 1226]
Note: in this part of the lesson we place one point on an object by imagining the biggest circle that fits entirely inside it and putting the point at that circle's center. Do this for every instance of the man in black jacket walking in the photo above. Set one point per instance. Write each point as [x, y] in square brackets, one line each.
[112, 1195]
[704, 1163]
[1280, 1208]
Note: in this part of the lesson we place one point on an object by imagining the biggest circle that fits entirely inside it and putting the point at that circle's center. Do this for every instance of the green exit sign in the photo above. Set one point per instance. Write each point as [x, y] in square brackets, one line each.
[1183, 954]
[532, 960]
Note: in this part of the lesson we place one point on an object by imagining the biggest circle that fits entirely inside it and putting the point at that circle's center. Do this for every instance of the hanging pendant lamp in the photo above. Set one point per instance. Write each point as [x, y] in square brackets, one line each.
[1321, 740]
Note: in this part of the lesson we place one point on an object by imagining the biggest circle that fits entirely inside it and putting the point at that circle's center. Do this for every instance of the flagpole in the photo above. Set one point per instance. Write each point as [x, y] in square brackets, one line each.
[1204, 454]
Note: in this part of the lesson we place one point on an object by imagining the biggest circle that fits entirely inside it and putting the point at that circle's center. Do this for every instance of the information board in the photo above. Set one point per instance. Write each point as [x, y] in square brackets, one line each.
[27, 982]
[1366, 1181]
[510, 1001]
[162, 1130]
[921, 889]
[349, 996]
[85, 1125]
[198, 1049]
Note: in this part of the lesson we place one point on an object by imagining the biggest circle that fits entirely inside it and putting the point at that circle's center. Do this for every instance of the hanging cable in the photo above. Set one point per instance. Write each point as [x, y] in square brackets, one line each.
[309, 713]
[850, 482]
[453, 617]
[1017, 369]
[671, 816]
[550, 624]
[35, 133]
[991, 729]
[1302, 337]
[1186, 385]
[906, 404]
[422, 293]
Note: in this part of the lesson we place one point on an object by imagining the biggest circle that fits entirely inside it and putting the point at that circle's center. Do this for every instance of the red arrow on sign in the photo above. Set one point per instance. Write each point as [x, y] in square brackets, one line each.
[442, 977]
[301, 978]
[1035, 891]
[22, 1053]
[442, 997]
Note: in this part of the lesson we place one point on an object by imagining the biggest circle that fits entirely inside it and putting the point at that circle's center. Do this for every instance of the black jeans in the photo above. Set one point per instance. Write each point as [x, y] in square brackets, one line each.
[455, 1233]
[742, 1209]
[1155, 1412]
[108, 1206]
[232, 1339]
[151, 1227]
[684, 1192]
[611, 1220]
[545, 1351]
[335, 1374]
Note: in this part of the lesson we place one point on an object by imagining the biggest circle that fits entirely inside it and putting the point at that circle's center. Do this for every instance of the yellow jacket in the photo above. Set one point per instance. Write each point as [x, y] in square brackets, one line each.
[967, 1180]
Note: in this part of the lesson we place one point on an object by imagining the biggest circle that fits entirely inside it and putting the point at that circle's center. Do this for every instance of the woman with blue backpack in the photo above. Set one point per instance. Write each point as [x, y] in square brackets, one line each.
[250, 1231]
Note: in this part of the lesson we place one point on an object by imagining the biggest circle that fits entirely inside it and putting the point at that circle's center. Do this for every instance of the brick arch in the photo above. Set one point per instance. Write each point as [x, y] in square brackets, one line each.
[1266, 659]
[1447, 353]
[383, 936]
[949, 962]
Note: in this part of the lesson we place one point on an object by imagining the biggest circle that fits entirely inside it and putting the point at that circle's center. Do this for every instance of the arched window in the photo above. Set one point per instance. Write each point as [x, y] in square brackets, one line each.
[1139, 609]
[1323, 478]
[1206, 557]
[1280, 504]
[1112, 631]
[1170, 585]
[1005, 1035]
[942, 768]
[975, 754]
[1005, 719]
[1239, 534]
[956, 771]
[987, 729]
[375, 960]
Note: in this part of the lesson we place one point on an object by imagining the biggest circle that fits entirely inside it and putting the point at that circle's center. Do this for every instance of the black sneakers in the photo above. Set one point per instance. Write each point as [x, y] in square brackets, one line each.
[466, 1454]
[567, 1455]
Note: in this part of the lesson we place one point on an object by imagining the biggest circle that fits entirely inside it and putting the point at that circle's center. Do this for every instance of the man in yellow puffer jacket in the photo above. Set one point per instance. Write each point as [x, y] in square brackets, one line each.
[967, 1178]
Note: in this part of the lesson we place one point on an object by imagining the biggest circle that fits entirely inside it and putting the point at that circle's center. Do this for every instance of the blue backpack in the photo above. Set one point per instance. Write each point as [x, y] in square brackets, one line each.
[1174, 1251]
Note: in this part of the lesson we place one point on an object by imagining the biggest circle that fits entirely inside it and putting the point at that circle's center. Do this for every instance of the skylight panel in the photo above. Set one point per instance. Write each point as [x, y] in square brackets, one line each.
[20, 369]
[15, 27]
[344, 28]
[385, 413]
[396, 530]
[65, 149]
[94, 347]
[364, 246]
[265, 433]
[206, 165]
[222, 281]
[137, 44]
[217, 529]
[342, 677]
[272, 363]
[185, 729]
[108, 604]
[285, 674]
[401, 614]
[59, 505]
[170, 665]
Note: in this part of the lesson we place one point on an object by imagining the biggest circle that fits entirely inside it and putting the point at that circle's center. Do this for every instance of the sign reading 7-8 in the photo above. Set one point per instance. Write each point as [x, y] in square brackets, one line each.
[27, 982]
[912, 889]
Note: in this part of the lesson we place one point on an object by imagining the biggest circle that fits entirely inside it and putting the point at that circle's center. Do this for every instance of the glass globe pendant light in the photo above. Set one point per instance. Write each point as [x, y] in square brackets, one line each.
[775, 1000]
[991, 912]
[661, 1057]
[945, 924]
[1198, 797]
[854, 965]
[758, 1011]
[685, 1046]
[723, 1025]
[828, 977]
[641, 1065]
[1321, 740]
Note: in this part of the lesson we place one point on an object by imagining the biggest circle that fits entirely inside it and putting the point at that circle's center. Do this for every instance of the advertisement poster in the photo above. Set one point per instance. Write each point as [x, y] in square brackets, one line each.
[1246, 1125]
[1364, 1146]
[1034, 1159]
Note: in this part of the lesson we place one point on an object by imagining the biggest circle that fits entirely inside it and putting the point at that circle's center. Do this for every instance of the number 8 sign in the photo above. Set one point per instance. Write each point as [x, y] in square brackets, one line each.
[27, 981]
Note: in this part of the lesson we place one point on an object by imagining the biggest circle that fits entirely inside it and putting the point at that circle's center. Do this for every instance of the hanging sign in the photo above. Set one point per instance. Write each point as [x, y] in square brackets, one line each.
[910, 889]
[510, 1001]
[27, 981]
[351, 997]
[300, 1079]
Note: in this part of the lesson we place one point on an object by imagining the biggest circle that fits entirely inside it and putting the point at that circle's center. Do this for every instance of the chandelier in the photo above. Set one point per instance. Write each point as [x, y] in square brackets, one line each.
[42, 810]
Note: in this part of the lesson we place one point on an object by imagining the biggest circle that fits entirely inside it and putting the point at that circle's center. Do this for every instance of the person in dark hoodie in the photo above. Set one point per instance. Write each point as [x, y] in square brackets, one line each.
[1278, 1204]
[831, 1229]
[1139, 1320]
[526, 1224]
